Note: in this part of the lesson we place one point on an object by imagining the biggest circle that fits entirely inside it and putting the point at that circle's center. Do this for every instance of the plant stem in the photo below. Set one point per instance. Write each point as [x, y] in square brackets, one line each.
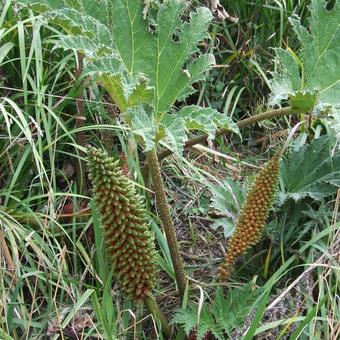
[241, 124]
[164, 211]
[154, 309]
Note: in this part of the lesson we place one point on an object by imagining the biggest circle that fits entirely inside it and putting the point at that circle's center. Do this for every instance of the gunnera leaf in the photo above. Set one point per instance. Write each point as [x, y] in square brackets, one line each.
[314, 72]
[123, 216]
[88, 26]
[193, 118]
[311, 170]
[227, 198]
[164, 51]
[142, 59]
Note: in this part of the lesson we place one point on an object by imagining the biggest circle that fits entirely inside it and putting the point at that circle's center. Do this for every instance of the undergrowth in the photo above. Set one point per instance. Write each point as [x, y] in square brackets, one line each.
[56, 279]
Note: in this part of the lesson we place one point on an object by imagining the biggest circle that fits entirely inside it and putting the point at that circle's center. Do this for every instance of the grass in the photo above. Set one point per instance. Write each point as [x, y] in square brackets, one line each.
[56, 281]
[49, 256]
[244, 53]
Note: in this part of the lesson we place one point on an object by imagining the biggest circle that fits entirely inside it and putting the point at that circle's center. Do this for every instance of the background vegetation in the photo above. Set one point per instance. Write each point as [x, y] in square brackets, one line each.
[56, 280]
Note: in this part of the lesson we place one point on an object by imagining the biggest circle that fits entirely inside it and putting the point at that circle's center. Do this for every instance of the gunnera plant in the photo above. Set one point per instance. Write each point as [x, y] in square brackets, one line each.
[124, 221]
[253, 215]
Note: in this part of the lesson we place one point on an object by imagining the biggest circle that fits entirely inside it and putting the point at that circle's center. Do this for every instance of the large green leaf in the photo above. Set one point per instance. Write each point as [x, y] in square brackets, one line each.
[165, 52]
[78, 23]
[314, 73]
[162, 51]
[89, 30]
[142, 61]
[174, 127]
[127, 92]
[97, 9]
[87, 25]
[85, 19]
[192, 118]
[206, 120]
[142, 125]
[311, 171]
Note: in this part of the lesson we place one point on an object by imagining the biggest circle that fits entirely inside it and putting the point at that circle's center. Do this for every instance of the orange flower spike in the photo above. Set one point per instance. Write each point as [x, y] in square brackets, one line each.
[254, 212]
[123, 217]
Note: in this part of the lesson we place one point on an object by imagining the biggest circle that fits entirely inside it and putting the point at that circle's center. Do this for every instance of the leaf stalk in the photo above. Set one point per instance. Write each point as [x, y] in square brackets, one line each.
[241, 124]
[164, 211]
[156, 312]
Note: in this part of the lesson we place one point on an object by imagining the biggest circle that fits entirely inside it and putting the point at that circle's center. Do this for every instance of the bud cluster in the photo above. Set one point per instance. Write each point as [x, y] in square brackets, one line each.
[123, 217]
[253, 215]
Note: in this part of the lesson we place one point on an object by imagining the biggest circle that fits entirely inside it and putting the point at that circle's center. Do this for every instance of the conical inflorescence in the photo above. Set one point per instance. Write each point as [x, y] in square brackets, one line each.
[128, 238]
[253, 215]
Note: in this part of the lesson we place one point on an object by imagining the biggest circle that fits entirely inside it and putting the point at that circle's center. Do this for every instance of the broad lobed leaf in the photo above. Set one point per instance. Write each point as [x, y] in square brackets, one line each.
[86, 23]
[76, 23]
[316, 69]
[126, 91]
[141, 63]
[97, 9]
[205, 119]
[311, 171]
[196, 118]
[174, 127]
[163, 51]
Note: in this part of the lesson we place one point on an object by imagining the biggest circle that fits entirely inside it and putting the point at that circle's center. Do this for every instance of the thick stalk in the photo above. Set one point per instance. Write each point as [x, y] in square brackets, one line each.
[164, 211]
[154, 309]
[241, 124]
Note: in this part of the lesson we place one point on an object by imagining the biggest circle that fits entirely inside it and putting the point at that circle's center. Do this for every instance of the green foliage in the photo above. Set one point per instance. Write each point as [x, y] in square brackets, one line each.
[125, 90]
[223, 316]
[314, 72]
[143, 125]
[149, 61]
[62, 285]
[227, 198]
[174, 127]
[205, 119]
[311, 170]
[164, 55]
[245, 51]
[193, 117]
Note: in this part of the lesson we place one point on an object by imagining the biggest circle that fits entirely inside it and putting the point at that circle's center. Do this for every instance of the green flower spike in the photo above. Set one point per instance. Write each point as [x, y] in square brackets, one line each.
[123, 216]
[253, 215]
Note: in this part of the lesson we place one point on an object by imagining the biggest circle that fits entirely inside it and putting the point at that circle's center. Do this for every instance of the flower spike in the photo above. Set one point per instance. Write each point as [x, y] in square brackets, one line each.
[253, 215]
[123, 216]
